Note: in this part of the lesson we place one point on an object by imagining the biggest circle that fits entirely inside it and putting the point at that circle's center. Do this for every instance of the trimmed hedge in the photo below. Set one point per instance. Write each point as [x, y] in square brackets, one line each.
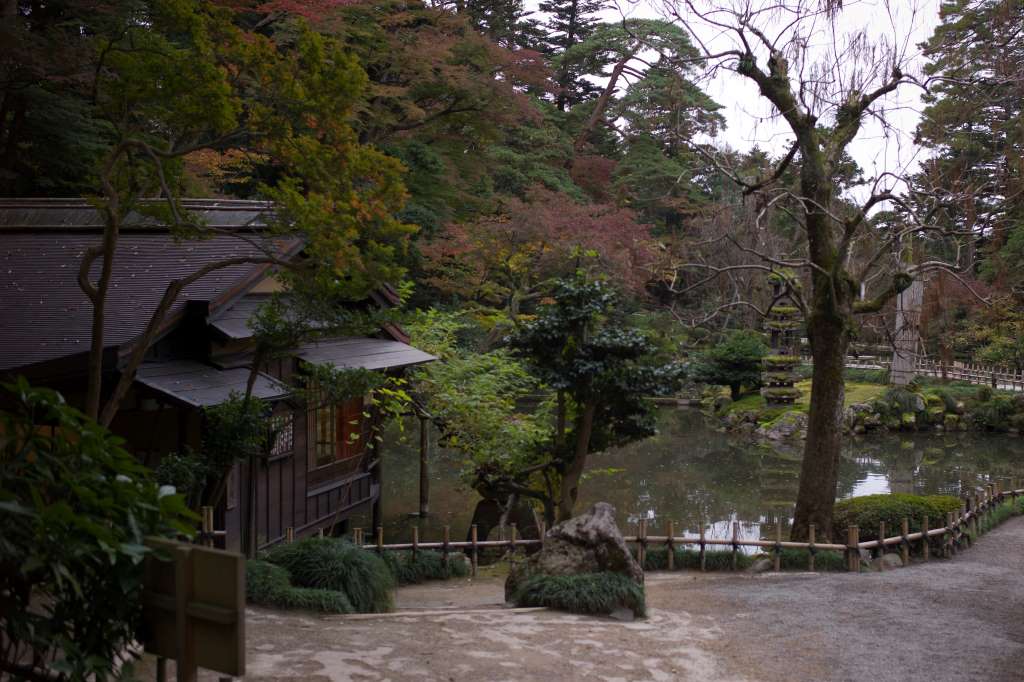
[868, 511]
[334, 564]
[588, 593]
[270, 585]
[428, 565]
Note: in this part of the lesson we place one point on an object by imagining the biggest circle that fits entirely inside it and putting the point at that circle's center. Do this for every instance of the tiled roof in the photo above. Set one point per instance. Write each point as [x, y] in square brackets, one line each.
[199, 385]
[44, 315]
[363, 352]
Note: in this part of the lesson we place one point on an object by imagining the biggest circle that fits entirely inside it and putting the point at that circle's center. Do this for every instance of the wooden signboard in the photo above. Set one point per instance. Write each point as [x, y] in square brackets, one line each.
[194, 608]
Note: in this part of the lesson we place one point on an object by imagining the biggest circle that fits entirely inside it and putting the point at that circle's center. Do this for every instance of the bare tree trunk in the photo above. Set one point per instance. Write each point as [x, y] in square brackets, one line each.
[571, 477]
[820, 468]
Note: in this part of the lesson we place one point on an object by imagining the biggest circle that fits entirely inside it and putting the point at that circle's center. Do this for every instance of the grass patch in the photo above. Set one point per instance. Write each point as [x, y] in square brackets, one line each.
[428, 565]
[334, 564]
[270, 585]
[589, 593]
[856, 392]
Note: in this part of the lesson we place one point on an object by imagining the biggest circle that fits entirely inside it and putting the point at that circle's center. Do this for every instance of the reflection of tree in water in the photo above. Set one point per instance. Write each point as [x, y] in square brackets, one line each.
[690, 471]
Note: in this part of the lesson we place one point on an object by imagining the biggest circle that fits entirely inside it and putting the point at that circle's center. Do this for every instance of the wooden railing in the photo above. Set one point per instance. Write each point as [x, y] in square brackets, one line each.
[956, 530]
[974, 373]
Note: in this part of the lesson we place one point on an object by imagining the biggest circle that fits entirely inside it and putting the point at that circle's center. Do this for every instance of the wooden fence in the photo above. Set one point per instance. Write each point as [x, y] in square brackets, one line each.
[955, 531]
[973, 373]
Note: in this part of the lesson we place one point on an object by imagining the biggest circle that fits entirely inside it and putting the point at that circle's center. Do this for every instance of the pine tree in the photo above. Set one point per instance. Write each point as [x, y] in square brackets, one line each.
[570, 22]
[974, 126]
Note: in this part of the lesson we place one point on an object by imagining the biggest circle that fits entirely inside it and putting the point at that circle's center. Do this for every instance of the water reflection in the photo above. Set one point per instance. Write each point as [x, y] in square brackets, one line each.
[694, 475]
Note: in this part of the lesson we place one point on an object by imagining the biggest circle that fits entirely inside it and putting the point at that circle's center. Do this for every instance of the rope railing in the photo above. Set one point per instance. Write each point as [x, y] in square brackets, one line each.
[957, 529]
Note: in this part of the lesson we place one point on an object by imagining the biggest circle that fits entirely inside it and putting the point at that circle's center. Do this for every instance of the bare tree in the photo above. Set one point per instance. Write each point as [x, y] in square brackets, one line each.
[824, 83]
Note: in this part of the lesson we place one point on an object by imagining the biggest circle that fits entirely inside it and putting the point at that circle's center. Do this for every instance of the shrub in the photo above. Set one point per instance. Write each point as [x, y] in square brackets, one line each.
[735, 362]
[590, 593]
[428, 565]
[269, 585]
[334, 564]
[993, 414]
[75, 509]
[656, 559]
[868, 511]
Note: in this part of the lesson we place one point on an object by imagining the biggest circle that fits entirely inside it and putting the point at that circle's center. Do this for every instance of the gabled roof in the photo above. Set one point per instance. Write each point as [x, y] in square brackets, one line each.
[200, 385]
[46, 316]
[357, 352]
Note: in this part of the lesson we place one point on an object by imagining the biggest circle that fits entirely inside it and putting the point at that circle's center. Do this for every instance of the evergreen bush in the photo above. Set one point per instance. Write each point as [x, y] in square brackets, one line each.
[589, 593]
[428, 565]
[868, 511]
[334, 564]
[267, 584]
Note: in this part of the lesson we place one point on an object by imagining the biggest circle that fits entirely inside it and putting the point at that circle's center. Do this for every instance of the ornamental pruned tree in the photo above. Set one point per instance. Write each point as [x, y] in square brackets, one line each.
[735, 362]
[603, 372]
[823, 97]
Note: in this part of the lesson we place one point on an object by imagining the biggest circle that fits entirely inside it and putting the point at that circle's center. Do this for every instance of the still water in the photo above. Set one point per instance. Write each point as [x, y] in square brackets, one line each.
[692, 474]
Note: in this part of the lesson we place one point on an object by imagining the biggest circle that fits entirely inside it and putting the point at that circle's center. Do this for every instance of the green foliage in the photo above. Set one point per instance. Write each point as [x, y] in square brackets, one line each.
[475, 397]
[75, 509]
[187, 472]
[734, 363]
[992, 414]
[234, 430]
[867, 376]
[427, 565]
[589, 593]
[269, 585]
[333, 564]
[656, 559]
[868, 511]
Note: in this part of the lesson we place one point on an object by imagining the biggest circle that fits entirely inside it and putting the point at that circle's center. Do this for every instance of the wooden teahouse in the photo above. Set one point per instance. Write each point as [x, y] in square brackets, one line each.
[317, 474]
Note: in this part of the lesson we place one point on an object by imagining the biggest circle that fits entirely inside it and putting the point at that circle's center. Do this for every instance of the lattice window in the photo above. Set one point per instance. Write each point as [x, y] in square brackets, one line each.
[282, 430]
[335, 431]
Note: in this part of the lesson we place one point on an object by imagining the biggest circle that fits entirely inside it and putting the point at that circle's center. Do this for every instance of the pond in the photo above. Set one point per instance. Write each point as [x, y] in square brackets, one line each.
[691, 473]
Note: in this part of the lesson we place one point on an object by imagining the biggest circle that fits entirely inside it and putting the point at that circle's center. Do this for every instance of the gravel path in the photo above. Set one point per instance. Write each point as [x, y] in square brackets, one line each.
[961, 619]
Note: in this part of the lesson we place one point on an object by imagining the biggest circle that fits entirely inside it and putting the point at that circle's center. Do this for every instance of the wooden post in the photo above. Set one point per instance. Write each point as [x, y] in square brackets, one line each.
[810, 547]
[207, 517]
[424, 467]
[777, 550]
[852, 550]
[735, 544]
[703, 554]
[320, 533]
[641, 542]
[161, 669]
[415, 541]
[947, 537]
[473, 555]
[882, 545]
[289, 534]
[542, 531]
[905, 546]
[444, 549]
[926, 549]
[380, 540]
[670, 544]
[961, 523]
[512, 539]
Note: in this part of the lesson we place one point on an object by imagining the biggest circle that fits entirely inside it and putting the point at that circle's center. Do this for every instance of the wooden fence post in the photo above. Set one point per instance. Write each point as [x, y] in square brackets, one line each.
[961, 525]
[444, 549]
[777, 550]
[947, 537]
[881, 544]
[542, 531]
[641, 542]
[473, 555]
[925, 546]
[810, 547]
[905, 546]
[670, 543]
[512, 539]
[735, 544]
[415, 541]
[852, 550]
[207, 520]
[289, 534]
[703, 554]
[380, 540]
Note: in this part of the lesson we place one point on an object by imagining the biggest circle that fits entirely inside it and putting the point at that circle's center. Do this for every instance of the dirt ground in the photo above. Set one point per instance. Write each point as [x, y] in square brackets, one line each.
[960, 619]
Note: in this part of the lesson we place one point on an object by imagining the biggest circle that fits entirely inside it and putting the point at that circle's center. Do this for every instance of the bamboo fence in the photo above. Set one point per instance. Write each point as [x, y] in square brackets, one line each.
[974, 373]
[955, 532]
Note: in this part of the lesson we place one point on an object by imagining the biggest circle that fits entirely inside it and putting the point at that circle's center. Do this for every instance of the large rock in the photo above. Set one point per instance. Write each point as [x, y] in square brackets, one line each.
[589, 543]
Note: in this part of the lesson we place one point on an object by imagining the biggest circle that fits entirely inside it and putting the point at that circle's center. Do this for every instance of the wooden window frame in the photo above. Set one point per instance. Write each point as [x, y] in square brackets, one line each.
[335, 433]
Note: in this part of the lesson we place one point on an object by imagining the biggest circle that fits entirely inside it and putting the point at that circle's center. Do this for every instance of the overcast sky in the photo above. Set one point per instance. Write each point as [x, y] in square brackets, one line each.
[904, 23]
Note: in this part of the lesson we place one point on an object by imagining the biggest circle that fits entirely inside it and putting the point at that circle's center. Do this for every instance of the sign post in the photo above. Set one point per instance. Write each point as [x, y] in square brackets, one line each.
[194, 609]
